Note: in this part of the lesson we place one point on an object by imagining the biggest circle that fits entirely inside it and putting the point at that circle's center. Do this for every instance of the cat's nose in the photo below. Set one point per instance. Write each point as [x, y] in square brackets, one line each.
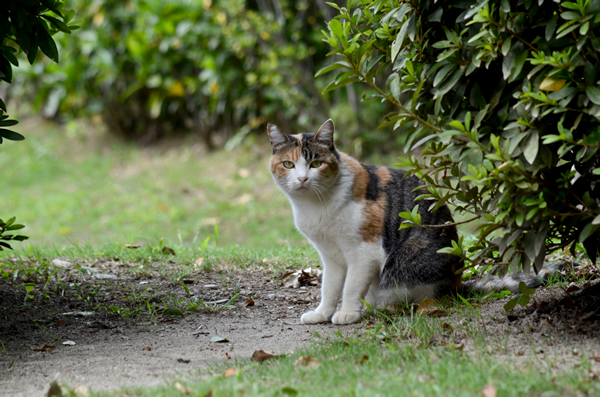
[302, 179]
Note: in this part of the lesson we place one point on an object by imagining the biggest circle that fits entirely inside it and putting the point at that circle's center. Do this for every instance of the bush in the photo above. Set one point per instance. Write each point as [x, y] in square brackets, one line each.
[502, 99]
[28, 25]
[153, 68]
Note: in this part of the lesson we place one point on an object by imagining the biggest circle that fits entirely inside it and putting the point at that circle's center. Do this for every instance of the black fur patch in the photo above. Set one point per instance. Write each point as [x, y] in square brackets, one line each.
[373, 185]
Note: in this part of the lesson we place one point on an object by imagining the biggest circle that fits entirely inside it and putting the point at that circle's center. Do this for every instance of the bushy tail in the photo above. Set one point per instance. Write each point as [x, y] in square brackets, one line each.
[511, 282]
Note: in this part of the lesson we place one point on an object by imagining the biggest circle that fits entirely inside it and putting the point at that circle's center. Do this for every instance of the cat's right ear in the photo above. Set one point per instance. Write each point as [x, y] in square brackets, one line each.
[277, 137]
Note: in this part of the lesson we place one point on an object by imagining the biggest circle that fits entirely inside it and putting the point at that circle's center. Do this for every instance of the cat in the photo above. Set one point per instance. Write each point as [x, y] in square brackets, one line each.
[349, 212]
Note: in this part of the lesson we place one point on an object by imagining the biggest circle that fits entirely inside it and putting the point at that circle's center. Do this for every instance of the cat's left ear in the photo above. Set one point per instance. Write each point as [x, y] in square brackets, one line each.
[325, 134]
[276, 136]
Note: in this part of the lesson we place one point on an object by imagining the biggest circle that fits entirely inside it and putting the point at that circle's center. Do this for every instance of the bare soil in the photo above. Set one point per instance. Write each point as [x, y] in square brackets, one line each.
[559, 329]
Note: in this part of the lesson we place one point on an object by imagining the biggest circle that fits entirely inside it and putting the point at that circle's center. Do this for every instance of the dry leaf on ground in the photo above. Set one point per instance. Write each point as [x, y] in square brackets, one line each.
[249, 302]
[489, 391]
[308, 362]
[429, 307]
[297, 279]
[182, 389]
[168, 251]
[229, 372]
[260, 355]
[45, 348]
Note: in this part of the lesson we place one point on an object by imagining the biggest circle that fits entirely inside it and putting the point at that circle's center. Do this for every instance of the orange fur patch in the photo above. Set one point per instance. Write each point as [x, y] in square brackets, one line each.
[361, 177]
[384, 176]
[373, 219]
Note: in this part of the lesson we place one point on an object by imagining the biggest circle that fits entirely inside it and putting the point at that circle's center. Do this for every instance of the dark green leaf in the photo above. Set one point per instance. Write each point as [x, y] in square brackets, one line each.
[11, 135]
[46, 43]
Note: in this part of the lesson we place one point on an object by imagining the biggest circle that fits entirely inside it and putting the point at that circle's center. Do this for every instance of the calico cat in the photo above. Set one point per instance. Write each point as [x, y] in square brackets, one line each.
[349, 212]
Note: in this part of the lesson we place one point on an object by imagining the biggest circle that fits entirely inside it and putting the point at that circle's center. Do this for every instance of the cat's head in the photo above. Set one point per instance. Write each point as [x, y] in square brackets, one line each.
[304, 164]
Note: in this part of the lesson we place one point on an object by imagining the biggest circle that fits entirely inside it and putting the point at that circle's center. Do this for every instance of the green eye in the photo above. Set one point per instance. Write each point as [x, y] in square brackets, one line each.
[316, 164]
[288, 164]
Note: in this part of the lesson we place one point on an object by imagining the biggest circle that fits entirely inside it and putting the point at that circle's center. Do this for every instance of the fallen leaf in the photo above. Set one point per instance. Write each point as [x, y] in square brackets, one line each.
[147, 348]
[61, 323]
[260, 355]
[289, 391]
[69, 343]
[489, 391]
[229, 372]
[80, 391]
[297, 279]
[168, 251]
[183, 361]
[363, 359]
[573, 288]
[597, 358]
[54, 390]
[446, 325]
[218, 339]
[79, 314]
[209, 394]
[198, 263]
[182, 389]
[45, 348]
[228, 356]
[249, 302]
[60, 263]
[173, 311]
[308, 362]
[429, 308]
[132, 246]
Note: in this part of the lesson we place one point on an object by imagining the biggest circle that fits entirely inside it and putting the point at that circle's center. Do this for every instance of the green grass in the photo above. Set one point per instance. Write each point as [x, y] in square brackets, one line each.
[369, 365]
[72, 187]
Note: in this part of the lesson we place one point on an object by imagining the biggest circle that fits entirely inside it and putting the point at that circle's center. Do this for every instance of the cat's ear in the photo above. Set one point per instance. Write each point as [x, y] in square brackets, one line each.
[276, 136]
[325, 134]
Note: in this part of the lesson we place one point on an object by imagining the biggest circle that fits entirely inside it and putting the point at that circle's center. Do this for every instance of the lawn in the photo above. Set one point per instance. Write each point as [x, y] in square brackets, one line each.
[71, 186]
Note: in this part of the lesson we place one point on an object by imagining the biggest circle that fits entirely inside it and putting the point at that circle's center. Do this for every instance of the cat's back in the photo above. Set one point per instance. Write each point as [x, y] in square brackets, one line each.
[383, 193]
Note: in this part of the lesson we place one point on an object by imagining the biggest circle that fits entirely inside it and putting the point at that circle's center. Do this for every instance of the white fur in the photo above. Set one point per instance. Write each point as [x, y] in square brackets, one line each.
[325, 212]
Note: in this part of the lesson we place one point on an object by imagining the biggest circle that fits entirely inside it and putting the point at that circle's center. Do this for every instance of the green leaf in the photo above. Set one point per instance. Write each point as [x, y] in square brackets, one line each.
[11, 135]
[587, 231]
[593, 93]
[60, 25]
[510, 304]
[531, 147]
[173, 311]
[46, 43]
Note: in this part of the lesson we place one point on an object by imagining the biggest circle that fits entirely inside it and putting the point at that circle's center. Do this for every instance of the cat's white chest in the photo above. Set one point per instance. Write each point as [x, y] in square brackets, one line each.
[332, 222]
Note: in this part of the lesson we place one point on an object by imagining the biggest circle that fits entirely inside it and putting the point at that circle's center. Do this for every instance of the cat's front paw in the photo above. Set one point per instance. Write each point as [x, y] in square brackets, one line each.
[313, 318]
[342, 318]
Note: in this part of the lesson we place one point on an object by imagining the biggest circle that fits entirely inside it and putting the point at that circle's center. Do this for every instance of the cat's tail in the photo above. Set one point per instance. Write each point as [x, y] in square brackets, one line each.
[511, 282]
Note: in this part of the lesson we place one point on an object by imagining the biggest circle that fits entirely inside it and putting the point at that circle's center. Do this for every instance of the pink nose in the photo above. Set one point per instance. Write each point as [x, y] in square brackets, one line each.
[302, 179]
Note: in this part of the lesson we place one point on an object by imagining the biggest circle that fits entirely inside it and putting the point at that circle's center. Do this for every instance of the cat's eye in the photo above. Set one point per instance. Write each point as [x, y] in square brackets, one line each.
[288, 164]
[316, 164]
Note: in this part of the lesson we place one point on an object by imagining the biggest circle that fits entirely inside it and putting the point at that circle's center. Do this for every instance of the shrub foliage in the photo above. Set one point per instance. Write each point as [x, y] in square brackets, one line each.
[27, 25]
[153, 68]
[502, 99]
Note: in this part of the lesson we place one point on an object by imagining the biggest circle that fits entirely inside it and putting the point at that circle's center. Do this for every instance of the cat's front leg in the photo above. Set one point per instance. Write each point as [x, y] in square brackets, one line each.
[360, 277]
[334, 274]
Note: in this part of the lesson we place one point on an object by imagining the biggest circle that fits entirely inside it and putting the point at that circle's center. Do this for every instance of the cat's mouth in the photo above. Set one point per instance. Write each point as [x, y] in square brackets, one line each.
[302, 189]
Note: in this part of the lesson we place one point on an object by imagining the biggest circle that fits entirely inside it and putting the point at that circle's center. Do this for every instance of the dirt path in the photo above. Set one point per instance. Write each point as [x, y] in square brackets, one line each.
[560, 329]
[111, 351]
